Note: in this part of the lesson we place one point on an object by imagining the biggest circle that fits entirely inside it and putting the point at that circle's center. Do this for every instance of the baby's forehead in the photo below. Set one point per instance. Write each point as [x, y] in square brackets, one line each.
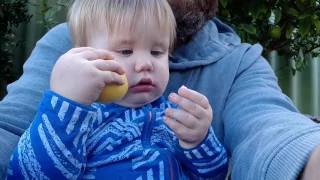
[128, 38]
[119, 15]
[133, 37]
[128, 32]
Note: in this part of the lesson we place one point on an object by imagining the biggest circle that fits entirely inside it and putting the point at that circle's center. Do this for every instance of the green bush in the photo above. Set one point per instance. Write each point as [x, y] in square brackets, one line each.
[290, 27]
[12, 13]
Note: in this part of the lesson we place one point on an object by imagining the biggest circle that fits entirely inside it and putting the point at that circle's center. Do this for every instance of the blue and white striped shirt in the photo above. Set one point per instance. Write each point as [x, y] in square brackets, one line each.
[68, 140]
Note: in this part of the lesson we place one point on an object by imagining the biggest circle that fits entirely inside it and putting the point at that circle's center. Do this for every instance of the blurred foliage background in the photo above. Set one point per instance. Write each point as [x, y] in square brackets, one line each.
[287, 29]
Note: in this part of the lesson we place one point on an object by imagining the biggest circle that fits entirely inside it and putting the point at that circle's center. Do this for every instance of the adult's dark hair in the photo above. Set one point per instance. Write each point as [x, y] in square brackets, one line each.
[191, 16]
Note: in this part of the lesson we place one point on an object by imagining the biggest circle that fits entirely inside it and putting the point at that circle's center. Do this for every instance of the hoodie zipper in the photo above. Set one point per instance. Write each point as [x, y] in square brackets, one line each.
[147, 137]
[171, 169]
[148, 130]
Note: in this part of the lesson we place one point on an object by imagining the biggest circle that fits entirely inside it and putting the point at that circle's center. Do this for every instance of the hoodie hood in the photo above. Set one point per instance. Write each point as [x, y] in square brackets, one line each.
[210, 44]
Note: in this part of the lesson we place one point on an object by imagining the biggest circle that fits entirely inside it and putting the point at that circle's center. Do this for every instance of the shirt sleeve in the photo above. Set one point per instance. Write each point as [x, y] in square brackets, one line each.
[209, 160]
[54, 145]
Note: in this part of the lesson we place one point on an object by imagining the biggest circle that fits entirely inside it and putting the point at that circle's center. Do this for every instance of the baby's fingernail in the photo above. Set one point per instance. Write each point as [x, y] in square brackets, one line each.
[183, 89]
[183, 86]
[171, 96]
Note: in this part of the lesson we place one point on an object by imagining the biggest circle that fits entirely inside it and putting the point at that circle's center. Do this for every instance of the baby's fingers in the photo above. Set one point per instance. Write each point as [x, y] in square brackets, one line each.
[189, 137]
[194, 96]
[104, 65]
[91, 53]
[182, 117]
[178, 128]
[188, 105]
[112, 78]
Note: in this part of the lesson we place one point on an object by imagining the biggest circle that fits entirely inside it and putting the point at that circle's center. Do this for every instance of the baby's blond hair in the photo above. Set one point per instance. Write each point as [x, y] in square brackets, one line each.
[114, 14]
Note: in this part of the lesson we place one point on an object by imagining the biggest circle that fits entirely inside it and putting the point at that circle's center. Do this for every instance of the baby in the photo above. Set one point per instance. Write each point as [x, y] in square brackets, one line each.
[142, 135]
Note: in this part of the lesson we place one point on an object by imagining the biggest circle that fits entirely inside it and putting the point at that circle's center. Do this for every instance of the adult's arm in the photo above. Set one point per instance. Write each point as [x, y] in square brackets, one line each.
[311, 170]
[18, 108]
[266, 135]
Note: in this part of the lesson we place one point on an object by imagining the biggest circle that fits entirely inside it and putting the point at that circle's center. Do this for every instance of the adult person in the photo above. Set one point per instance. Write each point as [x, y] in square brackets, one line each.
[261, 129]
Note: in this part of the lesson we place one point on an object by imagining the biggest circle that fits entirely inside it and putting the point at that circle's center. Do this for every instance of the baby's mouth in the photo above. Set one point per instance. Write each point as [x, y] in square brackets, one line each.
[144, 85]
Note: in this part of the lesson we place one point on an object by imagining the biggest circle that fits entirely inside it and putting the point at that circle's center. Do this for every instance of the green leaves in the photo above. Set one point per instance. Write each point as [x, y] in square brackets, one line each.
[317, 25]
[298, 63]
[49, 11]
[278, 15]
[12, 14]
[304, 26]
[224, 3]
[290, 27]
[292, 12]
[256, 8]
[289, 31]
[249, 28]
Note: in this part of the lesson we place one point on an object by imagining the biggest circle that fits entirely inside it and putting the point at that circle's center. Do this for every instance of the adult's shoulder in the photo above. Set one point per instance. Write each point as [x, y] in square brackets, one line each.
[226, 38]
[61, 29]
[58, 36]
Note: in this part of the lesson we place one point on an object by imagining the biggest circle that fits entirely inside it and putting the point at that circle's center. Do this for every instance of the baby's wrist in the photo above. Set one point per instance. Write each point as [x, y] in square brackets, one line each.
[186, 145]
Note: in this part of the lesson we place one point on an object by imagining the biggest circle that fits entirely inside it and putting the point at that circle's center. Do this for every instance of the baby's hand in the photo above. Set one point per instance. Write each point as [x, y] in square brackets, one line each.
[193, 120]
[82, 73]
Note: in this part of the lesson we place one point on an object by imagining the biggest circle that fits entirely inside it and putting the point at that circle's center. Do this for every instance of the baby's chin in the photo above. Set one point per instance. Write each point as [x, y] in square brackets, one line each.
[135, 103]
[130, 105]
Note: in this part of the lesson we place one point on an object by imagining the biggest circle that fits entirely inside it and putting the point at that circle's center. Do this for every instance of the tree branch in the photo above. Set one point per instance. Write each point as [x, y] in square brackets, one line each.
[282, 67]
[309, 51]
[280, 45]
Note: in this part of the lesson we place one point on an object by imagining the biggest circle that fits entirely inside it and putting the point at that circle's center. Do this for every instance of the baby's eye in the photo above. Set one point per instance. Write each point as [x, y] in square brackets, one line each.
[156, 53]
[125, 52]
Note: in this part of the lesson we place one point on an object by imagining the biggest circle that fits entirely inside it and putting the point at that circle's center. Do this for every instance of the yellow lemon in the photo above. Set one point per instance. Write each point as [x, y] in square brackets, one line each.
[113, 92]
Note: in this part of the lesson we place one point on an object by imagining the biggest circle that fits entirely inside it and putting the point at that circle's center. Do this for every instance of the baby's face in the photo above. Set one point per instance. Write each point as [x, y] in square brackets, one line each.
[143, 52]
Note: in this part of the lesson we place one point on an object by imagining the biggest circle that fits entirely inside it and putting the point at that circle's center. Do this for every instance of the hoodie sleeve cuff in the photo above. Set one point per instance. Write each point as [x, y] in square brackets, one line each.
[209, 147]
[64, 113]
[208, 159]
[51, 98]
[289, 161]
